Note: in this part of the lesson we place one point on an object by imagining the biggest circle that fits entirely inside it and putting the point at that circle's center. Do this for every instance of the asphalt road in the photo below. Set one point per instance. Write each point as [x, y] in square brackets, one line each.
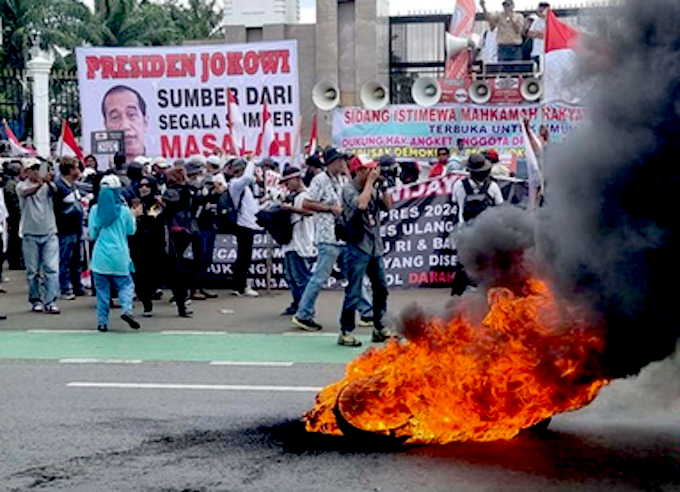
[74, 426]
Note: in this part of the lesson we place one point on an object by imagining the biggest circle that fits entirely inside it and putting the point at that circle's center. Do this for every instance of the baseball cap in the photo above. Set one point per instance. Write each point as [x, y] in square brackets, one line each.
[361, 162]
[215, 161]
[492, 155]
[29, 162]
[161, 162]
[110, 181]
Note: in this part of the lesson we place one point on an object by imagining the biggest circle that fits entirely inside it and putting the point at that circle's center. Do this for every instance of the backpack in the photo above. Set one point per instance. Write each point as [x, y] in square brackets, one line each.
[227, 212]
[277, 222]
[476, 203]
[350, 231]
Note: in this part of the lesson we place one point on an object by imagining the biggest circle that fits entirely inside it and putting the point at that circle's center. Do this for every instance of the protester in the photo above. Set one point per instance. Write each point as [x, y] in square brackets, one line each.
[442, 161]
[314, 167]
[182, 229]
[510, 27]
[3, 240]
[91, 167]
[204, 207]
[147, 246]
[362, 203]
[244, 201]
[214, 165]
[69, 214]
[324, 197]
[537, 33]
[299, 253]
[38, 230]
[475, 194]
[110, 223]
[14, 254]
[472, 196]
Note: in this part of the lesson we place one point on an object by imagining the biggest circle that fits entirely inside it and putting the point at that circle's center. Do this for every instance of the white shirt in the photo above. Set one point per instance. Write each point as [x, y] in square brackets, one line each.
[459, 194]
[489, 51]
[303, 231]
[539, 44]
[248, 210]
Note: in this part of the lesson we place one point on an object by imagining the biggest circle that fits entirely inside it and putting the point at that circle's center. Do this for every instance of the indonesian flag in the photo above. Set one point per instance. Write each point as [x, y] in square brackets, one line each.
[461, 26]
[313, 137]
[16, 149]
[67, 145]
[266, 145]
[561, 61]
[533, 150]
[298, 153]
[235, 123]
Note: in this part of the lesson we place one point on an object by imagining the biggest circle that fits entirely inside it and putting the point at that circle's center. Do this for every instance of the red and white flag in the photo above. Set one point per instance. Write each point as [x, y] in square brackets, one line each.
[561, 41]
[313, 136]
[235, 123]
[461, 26]
[16, 149]
[266, 143]
[67, 145]
[533, 151]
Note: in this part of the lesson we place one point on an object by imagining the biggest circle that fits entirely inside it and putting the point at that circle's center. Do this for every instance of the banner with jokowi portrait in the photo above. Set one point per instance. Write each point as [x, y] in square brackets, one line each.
[174, 101]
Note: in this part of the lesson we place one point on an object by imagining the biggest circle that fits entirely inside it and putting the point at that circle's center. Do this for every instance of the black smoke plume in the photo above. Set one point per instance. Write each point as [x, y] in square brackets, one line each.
[610, 228]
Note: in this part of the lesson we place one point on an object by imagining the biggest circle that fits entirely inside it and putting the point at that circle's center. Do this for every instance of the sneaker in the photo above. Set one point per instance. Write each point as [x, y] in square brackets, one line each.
[158, 295]
[290, 310]
[382, 334]
[306, 324]
[131, 321]
[348, 340]
[249, 292]
[186, 313]
[102, 328]
[52, 309]
[198, 296]
[208, 295]
[147, 314]
[37, 307]
[365, 323]
[69, 297]
[3, 317]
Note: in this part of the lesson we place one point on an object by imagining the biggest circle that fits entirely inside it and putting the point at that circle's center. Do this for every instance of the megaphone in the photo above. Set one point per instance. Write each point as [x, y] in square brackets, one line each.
[374, 95]
[426, 91]
[480, 92]
[325, 96]
[454, 45]
[531, 89]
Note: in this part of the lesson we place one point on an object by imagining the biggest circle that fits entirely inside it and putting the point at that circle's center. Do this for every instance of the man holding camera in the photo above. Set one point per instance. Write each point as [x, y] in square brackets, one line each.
[38, 230]
[510, 26]
[362, 200]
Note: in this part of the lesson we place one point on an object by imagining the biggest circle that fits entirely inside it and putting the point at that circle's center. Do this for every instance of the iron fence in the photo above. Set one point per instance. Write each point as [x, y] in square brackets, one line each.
[64, 102]
[15, 102]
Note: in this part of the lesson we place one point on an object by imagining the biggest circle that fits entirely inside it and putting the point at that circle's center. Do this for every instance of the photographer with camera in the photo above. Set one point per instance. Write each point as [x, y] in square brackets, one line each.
[389, 171]
[38, 230]
[362, 199]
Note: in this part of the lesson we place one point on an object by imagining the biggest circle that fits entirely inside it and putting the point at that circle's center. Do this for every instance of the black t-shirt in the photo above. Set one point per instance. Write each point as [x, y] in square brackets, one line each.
[68, 209]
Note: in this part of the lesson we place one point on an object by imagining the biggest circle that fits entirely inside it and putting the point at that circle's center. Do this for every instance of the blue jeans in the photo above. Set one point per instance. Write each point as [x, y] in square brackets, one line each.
[69, 261]
[125, 287]
[328, 256]
[297, 271]
[359, 264]
[41, 255]
[365, 306]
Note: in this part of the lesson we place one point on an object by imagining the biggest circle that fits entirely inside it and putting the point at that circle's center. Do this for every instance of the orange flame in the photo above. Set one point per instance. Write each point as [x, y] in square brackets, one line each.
[459, 380]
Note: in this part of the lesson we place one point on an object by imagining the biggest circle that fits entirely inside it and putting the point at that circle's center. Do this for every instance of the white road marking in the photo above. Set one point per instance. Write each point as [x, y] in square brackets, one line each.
[51, 332]
[249, 364]
[308, 334]
[204, 387]
[100, 361]
[186, 332]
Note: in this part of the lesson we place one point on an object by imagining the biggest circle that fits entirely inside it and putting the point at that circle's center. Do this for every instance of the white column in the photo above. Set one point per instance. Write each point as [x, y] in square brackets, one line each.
[39, 68]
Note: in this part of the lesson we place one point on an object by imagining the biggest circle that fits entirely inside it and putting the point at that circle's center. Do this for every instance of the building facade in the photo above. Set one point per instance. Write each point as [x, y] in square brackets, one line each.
[257, 13]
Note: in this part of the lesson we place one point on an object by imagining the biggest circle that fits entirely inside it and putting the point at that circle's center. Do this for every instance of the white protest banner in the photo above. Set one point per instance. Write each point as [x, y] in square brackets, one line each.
[411, 132]
[173, 101]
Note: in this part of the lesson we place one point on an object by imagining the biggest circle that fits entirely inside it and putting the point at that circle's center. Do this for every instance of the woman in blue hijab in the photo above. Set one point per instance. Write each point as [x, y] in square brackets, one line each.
[110, 224]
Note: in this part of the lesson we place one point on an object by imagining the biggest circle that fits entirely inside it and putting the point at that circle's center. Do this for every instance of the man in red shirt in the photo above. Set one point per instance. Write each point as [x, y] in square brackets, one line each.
[439, 168]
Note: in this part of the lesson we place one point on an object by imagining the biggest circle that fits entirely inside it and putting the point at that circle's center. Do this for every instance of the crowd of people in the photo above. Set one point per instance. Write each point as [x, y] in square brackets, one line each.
[133, 225]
